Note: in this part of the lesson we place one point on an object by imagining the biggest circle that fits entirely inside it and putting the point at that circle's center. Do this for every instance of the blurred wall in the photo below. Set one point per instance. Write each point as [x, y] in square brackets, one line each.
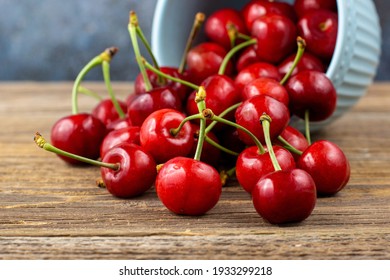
[53, 39]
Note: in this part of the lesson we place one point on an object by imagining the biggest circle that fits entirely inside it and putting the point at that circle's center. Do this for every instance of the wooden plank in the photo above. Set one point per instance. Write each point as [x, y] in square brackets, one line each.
[49, 210]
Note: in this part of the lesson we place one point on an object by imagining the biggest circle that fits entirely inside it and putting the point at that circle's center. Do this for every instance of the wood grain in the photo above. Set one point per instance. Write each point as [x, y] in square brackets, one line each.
[49, 210]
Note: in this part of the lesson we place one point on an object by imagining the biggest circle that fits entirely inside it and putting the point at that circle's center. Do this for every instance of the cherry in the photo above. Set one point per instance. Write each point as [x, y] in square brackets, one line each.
[204, 60]
[265, 86]
[311, 91]
[157, 138]
[254, 71]
[126, 170]
[319, 29]
[144, 104]
[119, 124]
[80, 134]
[247, 57]
[128, 134]
[251, 165]
[304, 6]
[258, 8]
[306, 62]
[328, 166]
[250, 111]
[106, 111]
[187, 186]
[294, 138]
[275, 35]
[216, 26]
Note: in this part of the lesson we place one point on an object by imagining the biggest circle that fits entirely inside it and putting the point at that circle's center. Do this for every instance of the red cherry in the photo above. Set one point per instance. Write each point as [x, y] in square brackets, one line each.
[180, 89]
[285, 196]
[119, 124]
[157, 139]
[136, 174]
[145, 104]
[254, 71]
[276, 37]
[258, 8]
[313, 91]
[210, 154]
[204, 60]
[79, 134]
[251, 165]
[303, 6]
[307, 62]
[187, 186]
[328, 166]
[124, 135]
[319, 29]
[247, 57]
[216, 26]
[106, 112]
[295, 138]
[249, 112]
[265, 86]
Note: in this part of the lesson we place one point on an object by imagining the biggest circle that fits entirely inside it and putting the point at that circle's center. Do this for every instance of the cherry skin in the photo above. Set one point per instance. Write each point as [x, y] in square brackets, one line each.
[249, 112]
[304, 6]
[285, 196]
[216, 26]
[313, 91]
[145, 104]
[247, 57]
[258, 8]
[157, 139]
[328, 166]
[319, 29]
[295, 138]
[79, 134]
[115, 137]
[180, 89]
[188, 187]
[119, 124]
[254, 71]
[136, 173]
[276, 37]
[265, 86]
[204, 60]
[307, 62]
[106, 112]
[251, 165]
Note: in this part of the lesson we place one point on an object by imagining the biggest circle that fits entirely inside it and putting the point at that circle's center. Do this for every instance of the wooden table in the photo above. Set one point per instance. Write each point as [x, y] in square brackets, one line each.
[49, 210]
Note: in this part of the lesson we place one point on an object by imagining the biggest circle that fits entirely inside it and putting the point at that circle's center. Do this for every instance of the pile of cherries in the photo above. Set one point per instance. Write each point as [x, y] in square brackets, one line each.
[223, 114]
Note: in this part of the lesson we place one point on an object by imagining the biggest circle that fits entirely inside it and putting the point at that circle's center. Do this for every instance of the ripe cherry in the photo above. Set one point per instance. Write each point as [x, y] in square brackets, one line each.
[128, 134]
[157, 138]
[265, 86]
[187, 186]
[328, 166]
[106, 112]
[304, 6]
[306, 62]
[245, 58]
[79, 134]
[294, 138]
[276, 36]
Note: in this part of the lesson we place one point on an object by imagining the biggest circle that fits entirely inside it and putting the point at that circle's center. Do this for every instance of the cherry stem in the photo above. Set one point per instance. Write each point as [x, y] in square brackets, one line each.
[200, 102]
[301, 49]
[307, 126]
[221, 115]
[106, 55]
[41, 142]
[222, 148]
[107, 80]
[208, 114]
[132, 28]
[198, 21]
[232, 52]
[266, 123]
[232, 33]
[226, 174]
[169, 77]
[89, 92]
[175, 131]
[288, 146]
[243, 36]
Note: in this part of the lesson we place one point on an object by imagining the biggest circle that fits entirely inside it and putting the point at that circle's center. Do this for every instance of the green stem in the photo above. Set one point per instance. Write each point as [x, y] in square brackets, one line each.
[243, 36]
[175, 131]
[288, 146]
[132, 28]
[232, 52]
[88, 92]
[169, 77]
[209, 114]
[41, 142]
[307, 126]
[225, 175]
[224, 113]
[266, 121]
[107, 80]
[301, 49]
[218, 146]
[198, 21]
[200, 102]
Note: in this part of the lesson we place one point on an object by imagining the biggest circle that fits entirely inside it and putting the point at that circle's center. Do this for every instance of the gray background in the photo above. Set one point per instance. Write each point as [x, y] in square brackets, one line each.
[53, 39]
